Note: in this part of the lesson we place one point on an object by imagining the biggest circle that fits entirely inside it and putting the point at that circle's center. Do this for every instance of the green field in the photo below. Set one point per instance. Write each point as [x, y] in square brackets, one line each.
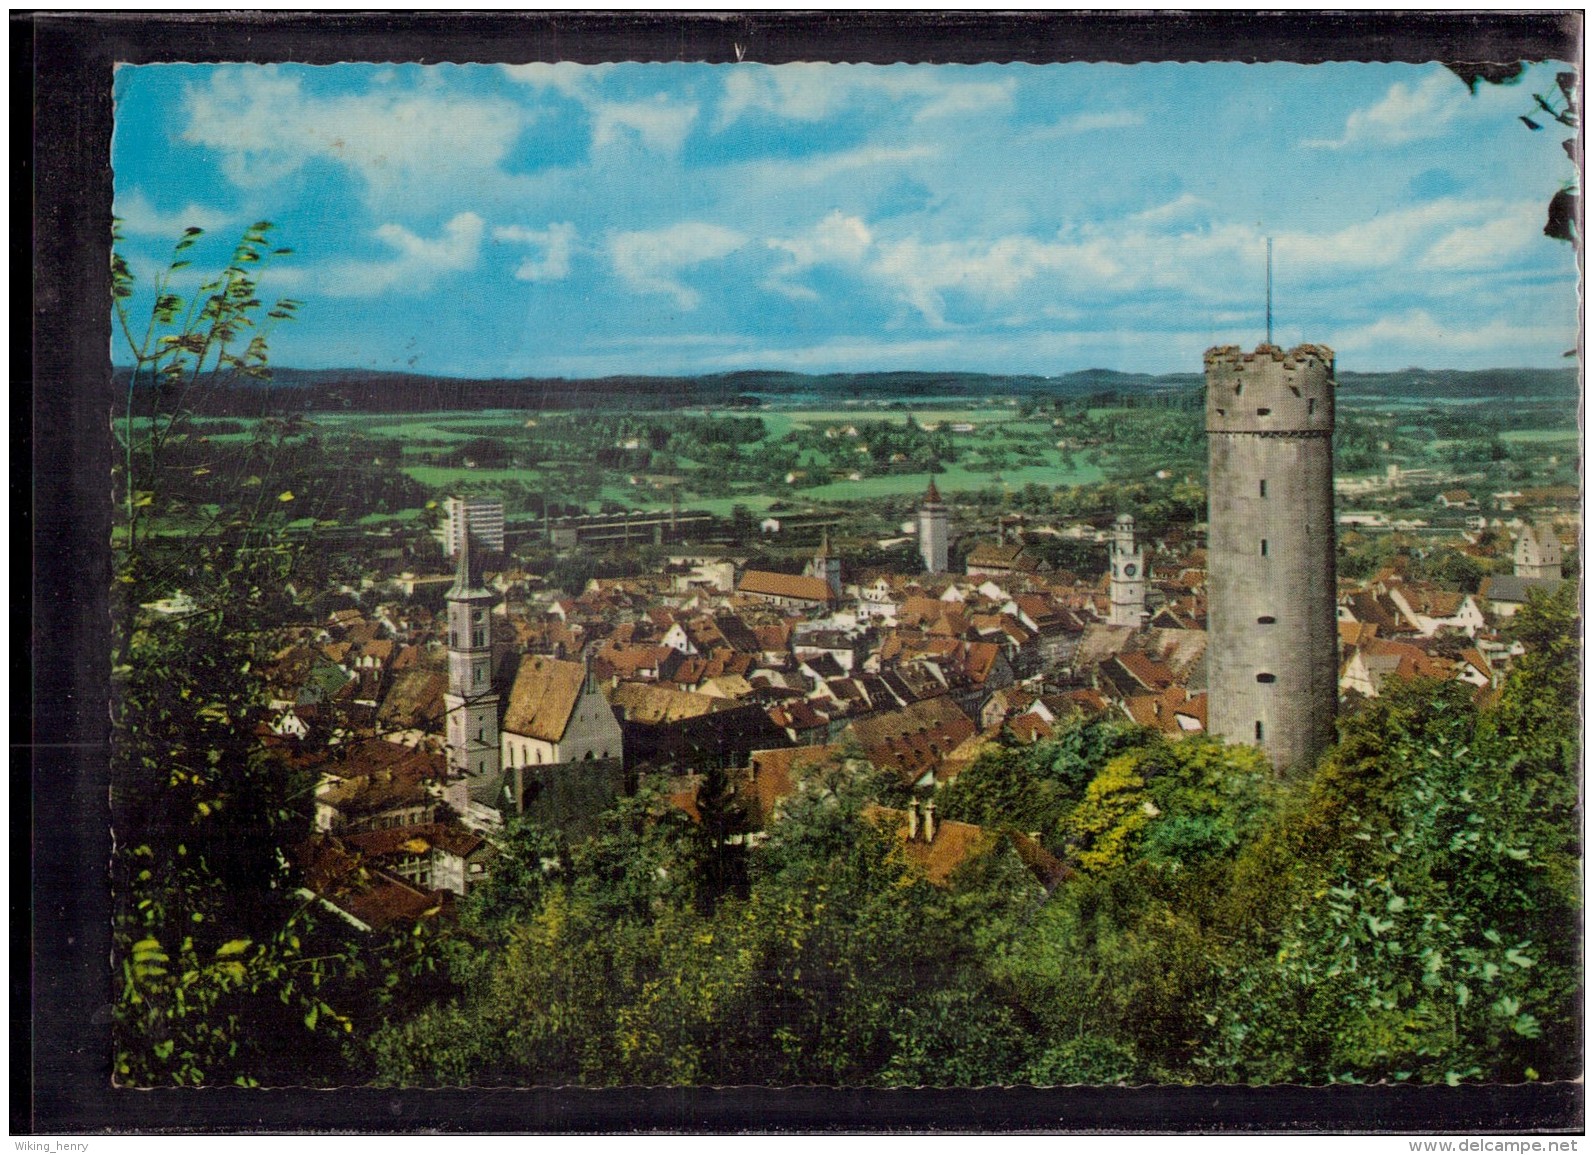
[1540, 436]
[445, 476]
[997, 429]
[956, 479]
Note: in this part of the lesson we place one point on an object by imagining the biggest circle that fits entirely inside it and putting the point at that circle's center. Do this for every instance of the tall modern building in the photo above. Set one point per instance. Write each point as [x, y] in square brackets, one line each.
[1127, 580]
[933, 530]
[484, 515]
[1272, 640]
[470, 701]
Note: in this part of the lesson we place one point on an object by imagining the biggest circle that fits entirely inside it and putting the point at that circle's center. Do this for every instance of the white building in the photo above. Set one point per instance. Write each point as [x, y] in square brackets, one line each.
[485, 516]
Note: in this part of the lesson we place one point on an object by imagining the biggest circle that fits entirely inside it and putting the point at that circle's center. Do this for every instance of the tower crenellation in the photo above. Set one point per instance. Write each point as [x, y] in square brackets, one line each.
[1273, 652]
[1271, 390]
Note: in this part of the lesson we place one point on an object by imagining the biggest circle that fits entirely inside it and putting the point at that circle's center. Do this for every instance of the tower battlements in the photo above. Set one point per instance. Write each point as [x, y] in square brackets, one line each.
[1271, 392]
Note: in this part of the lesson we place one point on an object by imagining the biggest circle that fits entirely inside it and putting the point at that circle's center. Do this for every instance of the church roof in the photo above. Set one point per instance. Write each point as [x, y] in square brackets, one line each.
[782, 585]
[544, 697]
[1510, 588]
[932, 495]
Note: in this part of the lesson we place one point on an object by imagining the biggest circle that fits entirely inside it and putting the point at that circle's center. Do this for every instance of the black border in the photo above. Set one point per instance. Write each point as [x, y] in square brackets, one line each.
[61, 990]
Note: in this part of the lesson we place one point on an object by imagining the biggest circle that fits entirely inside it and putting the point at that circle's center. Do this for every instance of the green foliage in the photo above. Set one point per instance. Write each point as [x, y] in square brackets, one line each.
[217, 335]
[214, 982]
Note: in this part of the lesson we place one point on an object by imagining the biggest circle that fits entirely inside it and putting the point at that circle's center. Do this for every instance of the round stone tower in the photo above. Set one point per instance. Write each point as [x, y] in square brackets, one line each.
[1272, 638]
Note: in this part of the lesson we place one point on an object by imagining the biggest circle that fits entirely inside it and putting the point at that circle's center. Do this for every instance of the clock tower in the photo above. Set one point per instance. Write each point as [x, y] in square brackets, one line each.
[470, 702]
[1128, 582]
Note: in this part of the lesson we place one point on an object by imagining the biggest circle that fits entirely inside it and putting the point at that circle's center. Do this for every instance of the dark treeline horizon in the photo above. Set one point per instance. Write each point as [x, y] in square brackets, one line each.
[312, 390]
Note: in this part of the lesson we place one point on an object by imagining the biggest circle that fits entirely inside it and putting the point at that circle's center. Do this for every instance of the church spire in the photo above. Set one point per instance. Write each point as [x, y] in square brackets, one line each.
[467, 570]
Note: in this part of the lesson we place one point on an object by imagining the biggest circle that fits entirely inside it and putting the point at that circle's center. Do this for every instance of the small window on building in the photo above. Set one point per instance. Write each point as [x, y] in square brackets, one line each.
[1259, 731]
[1266, 679]
[1222, 413]
[1261, 487]
[1263, 412]
[1266, 620]
[1311, 405]
[1264, 547]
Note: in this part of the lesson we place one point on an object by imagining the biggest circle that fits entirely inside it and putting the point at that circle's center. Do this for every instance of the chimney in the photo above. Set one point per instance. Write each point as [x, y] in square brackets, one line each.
[913, 819]
[929, 820]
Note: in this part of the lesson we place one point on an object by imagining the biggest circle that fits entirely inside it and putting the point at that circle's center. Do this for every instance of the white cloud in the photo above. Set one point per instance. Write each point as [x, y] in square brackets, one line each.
[988, 270]
[416, 265]
[778, 177]
[660, 124]
[267, 127]
[1505, 234]
[812, 92]
[566, 77]
[1089, 122]
[648, 261]
[1425, 339]
[1184, 205]
[1211, 266]
[1406, 113]
[140, 218]
[838, 239]
[555, 241]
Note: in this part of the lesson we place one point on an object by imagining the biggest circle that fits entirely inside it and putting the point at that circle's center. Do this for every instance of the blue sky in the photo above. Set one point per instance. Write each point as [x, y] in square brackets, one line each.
[676, 218]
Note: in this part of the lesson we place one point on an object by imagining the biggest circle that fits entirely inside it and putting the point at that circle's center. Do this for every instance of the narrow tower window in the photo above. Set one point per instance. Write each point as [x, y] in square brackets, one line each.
[1311, 405]
[1261, 487]
[1259, 731]
[1266, 679]
[1264, 547]
[1263, 412]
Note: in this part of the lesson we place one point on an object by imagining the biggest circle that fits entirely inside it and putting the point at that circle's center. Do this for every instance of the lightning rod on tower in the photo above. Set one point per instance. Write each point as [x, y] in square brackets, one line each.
[1270, 290]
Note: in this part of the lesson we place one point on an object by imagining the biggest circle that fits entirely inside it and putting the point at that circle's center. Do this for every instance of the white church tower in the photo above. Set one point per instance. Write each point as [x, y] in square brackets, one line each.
[1537, 553]
[933, 530]
[471, 704]
[826, 566]
[1128, 575]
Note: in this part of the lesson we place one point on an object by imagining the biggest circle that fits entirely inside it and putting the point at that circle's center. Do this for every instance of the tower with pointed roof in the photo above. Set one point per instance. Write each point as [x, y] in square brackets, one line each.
[933, 530]
[470, 702]
[826, 565]
[1127, 583]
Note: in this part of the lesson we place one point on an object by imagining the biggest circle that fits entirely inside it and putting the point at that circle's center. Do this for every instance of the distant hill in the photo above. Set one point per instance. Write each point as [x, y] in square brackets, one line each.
[364, 390]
